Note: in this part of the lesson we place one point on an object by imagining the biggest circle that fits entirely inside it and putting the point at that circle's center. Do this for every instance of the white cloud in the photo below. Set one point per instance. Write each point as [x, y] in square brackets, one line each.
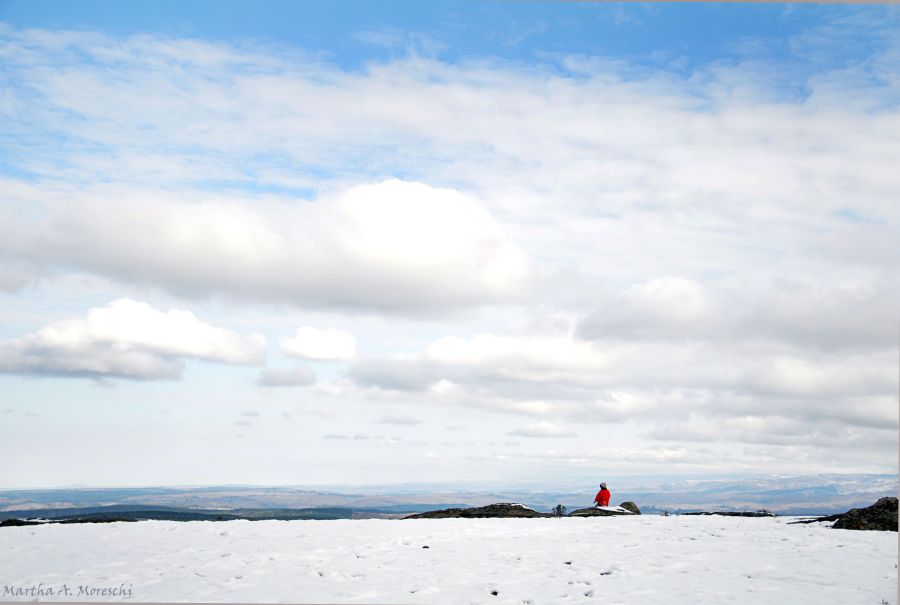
[519, 357]
[844, 314]
[315, 343]
[337, 436]
[660, 173]
[12, 278]
[391, 245]
[400, 419]
[378, 439]
[731, 246]
[659, 309]
[543, 430]
[632, 458]
[645, 382]
[342, 436]
[829, 432]
[127, 339]
[830, 316]
[286, 377]
[574, 369]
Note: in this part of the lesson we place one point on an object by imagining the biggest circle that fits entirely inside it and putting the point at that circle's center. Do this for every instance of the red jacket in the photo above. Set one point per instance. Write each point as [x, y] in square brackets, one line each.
[602, 497]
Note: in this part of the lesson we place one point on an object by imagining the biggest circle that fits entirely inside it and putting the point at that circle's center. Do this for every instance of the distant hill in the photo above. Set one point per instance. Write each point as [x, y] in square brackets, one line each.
[144, 513]
[792, 495]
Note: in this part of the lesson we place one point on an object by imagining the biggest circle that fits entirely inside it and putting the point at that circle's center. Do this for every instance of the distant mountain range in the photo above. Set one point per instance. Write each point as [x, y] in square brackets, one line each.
[126, 512]
[789, 495]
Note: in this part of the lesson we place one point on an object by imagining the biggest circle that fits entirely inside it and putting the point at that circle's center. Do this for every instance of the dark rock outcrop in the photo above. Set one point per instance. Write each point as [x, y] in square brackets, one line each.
[594, 512]
[500, 510]
[20, 522]
[880, 516]
[508, 510]
[631, 506]
[17, 522]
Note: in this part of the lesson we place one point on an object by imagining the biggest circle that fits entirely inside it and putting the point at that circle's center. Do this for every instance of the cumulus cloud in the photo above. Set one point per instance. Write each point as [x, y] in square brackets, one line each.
[324, 345]
[390, 245]
[127, 339]
[286, 377]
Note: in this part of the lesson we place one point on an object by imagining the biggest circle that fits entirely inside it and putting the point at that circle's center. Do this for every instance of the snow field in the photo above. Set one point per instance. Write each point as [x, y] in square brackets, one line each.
[634, 560]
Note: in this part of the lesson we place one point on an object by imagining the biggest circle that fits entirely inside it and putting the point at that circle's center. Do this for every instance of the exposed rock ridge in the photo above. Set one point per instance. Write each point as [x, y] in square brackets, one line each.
[512, 510]
[502, 509]
[880, 516]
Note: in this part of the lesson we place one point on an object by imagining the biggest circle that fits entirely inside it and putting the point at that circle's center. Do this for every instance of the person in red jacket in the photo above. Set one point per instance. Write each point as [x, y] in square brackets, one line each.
[602, 497]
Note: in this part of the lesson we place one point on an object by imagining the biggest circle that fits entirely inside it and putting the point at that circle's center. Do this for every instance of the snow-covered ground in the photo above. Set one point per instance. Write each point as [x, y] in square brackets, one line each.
[634, 560]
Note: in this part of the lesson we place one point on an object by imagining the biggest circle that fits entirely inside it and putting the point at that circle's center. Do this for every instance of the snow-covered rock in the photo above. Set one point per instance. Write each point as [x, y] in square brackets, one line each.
[602, 511]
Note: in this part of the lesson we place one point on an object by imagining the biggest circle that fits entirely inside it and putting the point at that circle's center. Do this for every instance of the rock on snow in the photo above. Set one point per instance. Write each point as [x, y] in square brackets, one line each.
[500, 510]
[880, 516]
[625, 559]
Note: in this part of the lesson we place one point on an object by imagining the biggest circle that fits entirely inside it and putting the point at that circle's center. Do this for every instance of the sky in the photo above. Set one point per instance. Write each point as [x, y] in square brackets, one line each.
[368, 243]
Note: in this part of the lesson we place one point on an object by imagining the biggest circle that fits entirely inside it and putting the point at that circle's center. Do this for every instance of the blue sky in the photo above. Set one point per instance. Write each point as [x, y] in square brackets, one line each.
[446, 241]
[352, 34]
